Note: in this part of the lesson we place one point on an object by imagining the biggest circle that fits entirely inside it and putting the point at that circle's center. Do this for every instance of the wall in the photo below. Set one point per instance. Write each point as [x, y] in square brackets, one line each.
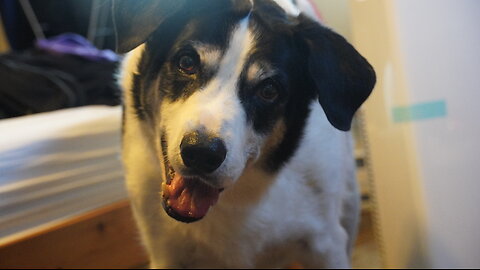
[336, 15]
[441, 41]
[423, 127]
[392, 151]
[3, 39]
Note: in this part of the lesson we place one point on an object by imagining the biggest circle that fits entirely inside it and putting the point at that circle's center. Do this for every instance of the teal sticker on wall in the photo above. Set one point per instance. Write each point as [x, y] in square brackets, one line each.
[421, 111]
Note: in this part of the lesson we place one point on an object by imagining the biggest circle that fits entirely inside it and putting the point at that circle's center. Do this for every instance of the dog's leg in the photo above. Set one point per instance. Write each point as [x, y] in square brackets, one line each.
[351, 217]
[164, 249]
[333, 249]
[328, 251]
[181, 252]
[168, 256]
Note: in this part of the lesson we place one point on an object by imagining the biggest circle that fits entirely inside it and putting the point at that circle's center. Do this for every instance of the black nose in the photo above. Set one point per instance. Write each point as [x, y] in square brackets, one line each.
[201, 152]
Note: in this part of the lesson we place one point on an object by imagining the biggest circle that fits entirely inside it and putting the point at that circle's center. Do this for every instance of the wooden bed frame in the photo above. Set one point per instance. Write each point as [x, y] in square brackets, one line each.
[103, 238]
[107, 238]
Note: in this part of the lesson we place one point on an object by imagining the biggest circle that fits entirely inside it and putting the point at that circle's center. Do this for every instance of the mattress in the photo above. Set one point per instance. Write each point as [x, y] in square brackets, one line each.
[57, 165]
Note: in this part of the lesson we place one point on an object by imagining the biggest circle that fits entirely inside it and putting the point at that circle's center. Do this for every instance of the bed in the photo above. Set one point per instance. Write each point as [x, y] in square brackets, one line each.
[63, 203]
[58, 171]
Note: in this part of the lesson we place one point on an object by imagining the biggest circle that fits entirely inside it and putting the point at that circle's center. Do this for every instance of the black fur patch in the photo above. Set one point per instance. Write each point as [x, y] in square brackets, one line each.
[137, 97]
[278, 43]
[158, 67]
[275, 45]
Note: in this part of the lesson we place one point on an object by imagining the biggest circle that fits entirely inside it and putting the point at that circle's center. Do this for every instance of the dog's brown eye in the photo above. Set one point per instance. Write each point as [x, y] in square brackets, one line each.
[188, 64]
[268, 92]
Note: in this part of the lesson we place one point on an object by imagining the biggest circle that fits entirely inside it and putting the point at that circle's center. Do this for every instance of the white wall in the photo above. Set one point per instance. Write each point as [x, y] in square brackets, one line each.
[335, 14]
[426, 171]
[440, 40]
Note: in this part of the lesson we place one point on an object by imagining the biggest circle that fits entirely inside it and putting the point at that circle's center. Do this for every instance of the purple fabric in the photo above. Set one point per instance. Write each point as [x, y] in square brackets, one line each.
[76, 45]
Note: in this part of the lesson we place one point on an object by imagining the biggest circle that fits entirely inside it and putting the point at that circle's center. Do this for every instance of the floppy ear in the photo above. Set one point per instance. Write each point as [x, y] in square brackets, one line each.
[135, 20]
[342, 78]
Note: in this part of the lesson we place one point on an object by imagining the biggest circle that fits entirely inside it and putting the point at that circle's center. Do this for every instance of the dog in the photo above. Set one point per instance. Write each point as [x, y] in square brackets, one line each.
[235, 133]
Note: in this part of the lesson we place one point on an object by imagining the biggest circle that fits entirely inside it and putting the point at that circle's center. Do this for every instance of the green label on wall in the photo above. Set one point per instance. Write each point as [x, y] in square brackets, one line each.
[421, 111]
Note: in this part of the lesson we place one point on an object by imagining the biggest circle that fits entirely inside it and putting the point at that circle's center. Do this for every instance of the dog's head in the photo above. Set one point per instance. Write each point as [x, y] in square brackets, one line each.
[225, 84]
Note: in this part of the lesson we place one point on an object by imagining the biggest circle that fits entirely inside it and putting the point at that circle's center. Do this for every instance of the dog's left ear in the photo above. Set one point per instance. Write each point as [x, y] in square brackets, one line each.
[342, 78]
[135, 20]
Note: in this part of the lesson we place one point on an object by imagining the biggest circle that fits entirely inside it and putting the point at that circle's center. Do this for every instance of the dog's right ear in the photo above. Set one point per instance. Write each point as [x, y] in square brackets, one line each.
[135, 20]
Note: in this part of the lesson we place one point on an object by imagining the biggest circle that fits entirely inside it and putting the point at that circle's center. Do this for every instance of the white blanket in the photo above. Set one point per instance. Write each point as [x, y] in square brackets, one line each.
[56, 165]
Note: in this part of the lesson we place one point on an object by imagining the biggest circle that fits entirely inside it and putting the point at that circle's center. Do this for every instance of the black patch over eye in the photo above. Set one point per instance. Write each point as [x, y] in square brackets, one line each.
[268, 90]
[188, 63]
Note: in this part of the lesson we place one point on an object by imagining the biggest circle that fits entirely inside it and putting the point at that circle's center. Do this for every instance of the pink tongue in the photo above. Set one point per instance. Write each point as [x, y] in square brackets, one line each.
[190, 197]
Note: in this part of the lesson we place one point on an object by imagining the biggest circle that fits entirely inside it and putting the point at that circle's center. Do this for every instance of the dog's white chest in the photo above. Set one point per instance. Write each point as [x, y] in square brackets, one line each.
[262, 219]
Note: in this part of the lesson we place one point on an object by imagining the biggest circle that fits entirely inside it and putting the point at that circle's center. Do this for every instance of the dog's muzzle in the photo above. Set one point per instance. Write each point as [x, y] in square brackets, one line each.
[189, 194]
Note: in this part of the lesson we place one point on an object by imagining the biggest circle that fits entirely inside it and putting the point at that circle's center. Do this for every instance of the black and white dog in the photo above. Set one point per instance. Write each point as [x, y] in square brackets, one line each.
[234, 138]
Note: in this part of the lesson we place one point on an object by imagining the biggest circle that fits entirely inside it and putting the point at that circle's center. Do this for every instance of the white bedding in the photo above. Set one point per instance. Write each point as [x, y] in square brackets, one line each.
[56, 165]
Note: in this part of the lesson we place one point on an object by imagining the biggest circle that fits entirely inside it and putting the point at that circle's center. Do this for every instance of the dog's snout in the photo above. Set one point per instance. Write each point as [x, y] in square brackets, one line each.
[201, 152]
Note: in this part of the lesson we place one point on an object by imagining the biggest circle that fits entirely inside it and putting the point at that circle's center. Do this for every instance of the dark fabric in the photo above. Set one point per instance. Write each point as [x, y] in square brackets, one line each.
[56, 17]
[17, 29]
[35, 81]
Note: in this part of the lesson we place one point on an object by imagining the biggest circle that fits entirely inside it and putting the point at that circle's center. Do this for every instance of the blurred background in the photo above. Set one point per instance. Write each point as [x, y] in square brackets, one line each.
[62, 200]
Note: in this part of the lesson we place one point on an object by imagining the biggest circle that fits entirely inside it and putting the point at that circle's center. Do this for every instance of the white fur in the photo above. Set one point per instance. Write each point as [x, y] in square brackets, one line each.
[289, 7]
[216, 109]
[303, 6]
[260, 220]
[209, 55]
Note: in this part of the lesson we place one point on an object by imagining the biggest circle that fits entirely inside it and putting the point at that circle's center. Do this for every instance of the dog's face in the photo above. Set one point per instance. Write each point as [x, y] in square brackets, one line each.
[223, 85]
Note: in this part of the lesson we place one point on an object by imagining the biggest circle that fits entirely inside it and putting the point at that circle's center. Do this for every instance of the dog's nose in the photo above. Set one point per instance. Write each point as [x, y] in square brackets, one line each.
[201, 152]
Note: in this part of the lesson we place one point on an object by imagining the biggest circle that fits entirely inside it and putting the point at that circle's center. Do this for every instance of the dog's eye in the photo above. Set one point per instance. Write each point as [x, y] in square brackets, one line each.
[268, 91]
[188, 64]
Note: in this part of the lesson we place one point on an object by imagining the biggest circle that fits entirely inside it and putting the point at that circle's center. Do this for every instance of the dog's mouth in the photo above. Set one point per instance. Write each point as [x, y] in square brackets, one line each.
[186, 198]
